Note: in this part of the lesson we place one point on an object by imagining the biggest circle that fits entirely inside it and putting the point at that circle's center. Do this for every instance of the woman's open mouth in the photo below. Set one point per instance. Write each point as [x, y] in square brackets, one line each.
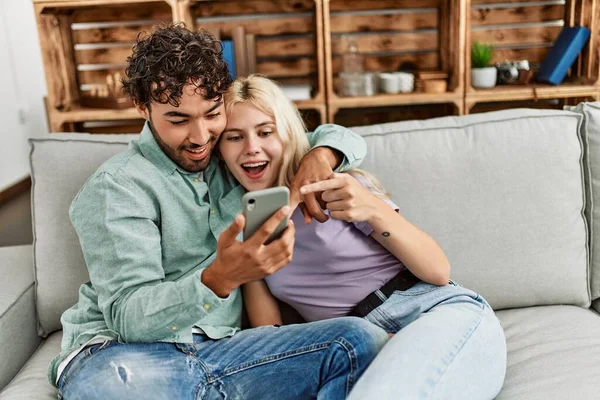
[255, 170]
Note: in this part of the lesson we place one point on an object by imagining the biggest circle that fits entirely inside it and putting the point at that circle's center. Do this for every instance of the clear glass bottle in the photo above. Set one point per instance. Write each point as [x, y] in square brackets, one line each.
[351, 77]
[352, 59]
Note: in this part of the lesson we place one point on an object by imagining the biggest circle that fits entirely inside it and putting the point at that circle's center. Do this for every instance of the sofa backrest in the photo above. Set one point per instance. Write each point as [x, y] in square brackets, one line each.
[501, 192]
[590, 134]
[60, 164]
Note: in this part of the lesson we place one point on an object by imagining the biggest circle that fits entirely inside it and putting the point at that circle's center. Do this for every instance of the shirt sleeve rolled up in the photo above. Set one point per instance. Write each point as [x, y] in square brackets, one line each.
[350, 144]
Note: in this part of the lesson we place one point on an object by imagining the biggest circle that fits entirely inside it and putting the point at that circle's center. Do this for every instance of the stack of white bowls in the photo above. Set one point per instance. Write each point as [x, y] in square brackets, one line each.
[396, 82]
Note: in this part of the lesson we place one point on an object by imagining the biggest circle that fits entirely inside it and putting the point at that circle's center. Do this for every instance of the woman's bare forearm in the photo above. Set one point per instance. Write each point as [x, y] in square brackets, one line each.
[418, 251]
[260, 304]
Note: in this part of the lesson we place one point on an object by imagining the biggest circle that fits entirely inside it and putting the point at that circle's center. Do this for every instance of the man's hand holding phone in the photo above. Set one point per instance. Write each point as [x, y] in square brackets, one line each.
[241, 262]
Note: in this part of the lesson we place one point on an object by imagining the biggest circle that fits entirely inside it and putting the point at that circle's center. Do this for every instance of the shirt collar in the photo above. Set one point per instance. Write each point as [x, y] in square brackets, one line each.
[153, 153]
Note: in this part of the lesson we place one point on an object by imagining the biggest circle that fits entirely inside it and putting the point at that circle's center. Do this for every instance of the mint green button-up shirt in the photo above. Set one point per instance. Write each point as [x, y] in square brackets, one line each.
[148, 229]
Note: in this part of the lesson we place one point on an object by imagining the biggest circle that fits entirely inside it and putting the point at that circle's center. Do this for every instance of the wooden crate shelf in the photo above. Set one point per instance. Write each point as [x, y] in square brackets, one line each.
[84, 114]
[532, 92]
[81, 114]
[382, 99]
[288, 36]
[527, 31]
[425, 33]
[300, 41]
[84, 40]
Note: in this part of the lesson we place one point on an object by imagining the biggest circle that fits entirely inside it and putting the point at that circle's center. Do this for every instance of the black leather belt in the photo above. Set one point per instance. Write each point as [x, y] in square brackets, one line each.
[403, 281]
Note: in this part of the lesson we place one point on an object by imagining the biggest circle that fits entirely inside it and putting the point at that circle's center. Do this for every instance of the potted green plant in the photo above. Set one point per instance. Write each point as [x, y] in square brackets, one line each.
[482, 74]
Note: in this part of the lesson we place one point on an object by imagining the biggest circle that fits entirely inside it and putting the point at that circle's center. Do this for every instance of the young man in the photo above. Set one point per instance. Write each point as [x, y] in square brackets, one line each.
[160, 317]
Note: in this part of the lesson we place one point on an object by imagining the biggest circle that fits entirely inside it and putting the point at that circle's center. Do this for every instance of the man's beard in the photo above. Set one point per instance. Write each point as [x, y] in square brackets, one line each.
[176, 155]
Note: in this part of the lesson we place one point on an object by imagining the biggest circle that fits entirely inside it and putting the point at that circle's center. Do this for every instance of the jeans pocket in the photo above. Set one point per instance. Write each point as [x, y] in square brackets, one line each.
[187, 349]
[77, 363]
[418, 289]
[454, 283]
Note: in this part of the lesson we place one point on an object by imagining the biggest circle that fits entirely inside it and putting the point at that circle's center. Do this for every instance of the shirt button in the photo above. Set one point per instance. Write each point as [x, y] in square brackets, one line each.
[206, 306]
[174, 328]
[196, 180]
[213, 211]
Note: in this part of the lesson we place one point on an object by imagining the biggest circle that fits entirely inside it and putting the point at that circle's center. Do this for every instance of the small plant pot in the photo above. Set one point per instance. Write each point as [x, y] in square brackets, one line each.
[483, 77]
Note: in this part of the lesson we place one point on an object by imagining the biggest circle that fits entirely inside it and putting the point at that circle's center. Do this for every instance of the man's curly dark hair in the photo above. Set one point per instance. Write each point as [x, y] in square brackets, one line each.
[169, 58]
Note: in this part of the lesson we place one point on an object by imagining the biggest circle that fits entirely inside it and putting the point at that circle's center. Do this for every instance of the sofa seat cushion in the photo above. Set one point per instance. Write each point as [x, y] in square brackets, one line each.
[32, 381]
[553, 353]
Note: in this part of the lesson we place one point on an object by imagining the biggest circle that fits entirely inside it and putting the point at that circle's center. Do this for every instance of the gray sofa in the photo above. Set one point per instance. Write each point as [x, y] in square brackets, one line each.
[509, 195]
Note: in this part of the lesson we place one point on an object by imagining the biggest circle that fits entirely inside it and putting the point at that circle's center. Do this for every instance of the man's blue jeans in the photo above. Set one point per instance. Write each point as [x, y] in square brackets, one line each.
[320, 360]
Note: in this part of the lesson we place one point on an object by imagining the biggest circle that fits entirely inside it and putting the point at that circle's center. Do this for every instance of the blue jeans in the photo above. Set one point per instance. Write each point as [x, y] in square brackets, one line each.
[320, 360]
[448, 344]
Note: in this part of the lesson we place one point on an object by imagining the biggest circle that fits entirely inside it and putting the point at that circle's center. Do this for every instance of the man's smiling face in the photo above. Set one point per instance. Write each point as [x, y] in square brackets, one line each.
[188, 133]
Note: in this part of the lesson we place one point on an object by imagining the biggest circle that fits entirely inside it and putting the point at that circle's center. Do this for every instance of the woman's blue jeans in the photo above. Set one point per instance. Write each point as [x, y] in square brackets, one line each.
[320, 360]
[448, 344]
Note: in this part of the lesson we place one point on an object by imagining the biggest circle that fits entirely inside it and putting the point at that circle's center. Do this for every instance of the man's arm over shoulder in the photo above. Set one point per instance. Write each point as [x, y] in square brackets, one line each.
[349, 144]
[118, 228]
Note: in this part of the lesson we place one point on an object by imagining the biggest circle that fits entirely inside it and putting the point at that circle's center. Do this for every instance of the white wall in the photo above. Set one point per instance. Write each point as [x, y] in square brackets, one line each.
[22, 89]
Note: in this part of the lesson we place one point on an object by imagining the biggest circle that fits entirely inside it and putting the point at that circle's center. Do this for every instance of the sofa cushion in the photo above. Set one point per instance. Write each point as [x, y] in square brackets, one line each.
[60, 164]
[590, 132]
[553, 353]
[32, 380]
[18, 330]
[501, 192]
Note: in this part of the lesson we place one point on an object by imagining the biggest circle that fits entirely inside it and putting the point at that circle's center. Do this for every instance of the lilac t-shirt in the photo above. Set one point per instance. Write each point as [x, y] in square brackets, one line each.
[336, 264]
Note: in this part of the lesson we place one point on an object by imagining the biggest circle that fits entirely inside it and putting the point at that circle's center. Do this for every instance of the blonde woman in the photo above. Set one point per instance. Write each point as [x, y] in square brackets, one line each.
[365, 260]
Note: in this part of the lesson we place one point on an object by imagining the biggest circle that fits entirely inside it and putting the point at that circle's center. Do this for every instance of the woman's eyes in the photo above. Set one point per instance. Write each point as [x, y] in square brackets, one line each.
[237, 138]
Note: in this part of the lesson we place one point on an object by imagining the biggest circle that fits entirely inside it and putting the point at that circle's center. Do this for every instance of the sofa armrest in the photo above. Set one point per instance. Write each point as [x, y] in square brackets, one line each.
[18, 321]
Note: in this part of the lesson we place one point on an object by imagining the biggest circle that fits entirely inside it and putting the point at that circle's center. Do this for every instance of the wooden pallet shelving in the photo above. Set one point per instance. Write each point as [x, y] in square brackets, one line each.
[427, 33]
[82, 41]
[288, 36]
[301, 41]
[527, 31]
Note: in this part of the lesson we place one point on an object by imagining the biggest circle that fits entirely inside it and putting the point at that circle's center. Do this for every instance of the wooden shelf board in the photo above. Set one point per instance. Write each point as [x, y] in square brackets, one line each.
[309, 104]
[382, 99]
[84, 3]
[81, 114]
[531, 92]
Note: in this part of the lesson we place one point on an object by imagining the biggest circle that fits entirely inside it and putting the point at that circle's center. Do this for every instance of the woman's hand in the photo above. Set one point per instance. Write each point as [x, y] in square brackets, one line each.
[348, 200]
[345, 198]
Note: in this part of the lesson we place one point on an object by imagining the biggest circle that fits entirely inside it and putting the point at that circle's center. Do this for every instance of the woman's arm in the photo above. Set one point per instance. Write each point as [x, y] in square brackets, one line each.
[415, 248]
[260, 304]
[348, 200]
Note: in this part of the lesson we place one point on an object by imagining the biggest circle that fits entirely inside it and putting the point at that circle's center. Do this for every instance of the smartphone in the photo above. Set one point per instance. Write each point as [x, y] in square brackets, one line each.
[260, 205]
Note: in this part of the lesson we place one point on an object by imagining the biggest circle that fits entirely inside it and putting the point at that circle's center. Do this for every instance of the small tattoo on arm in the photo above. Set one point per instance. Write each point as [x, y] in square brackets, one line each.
[385, 234]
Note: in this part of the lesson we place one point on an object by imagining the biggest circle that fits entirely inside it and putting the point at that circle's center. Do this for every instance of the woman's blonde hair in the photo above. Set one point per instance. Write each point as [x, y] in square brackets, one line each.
[269, 98]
